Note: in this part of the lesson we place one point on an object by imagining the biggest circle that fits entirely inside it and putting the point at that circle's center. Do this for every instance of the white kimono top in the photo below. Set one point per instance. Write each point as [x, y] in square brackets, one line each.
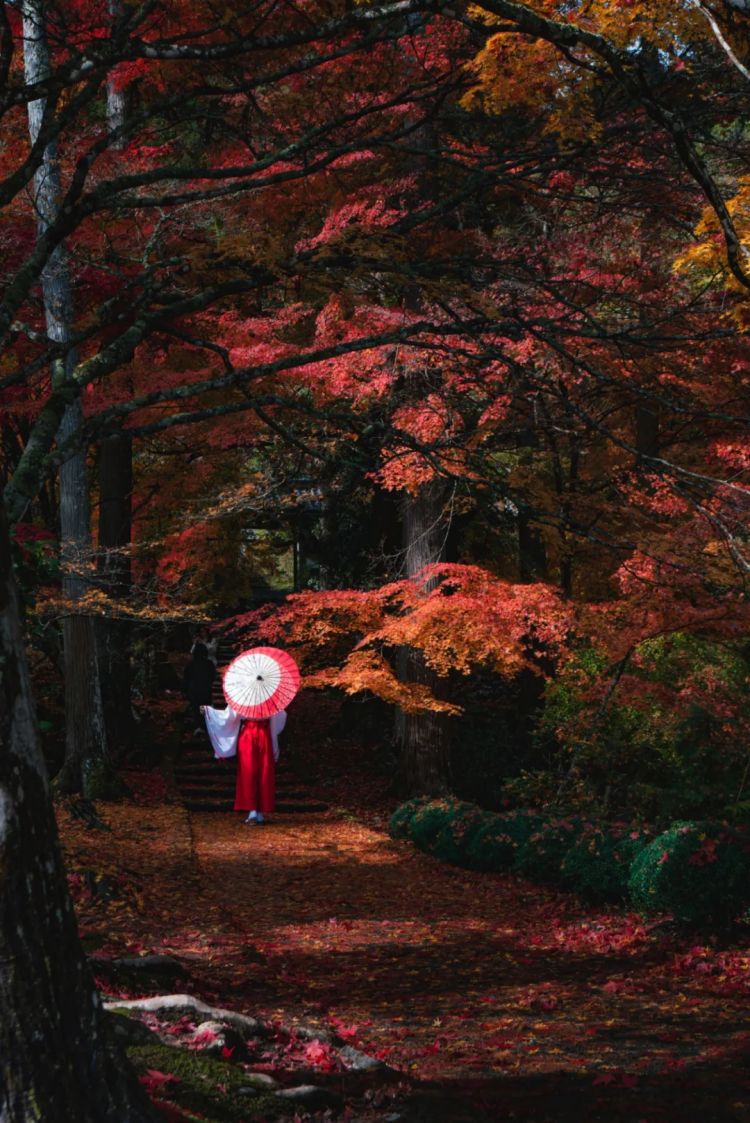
[223, 727]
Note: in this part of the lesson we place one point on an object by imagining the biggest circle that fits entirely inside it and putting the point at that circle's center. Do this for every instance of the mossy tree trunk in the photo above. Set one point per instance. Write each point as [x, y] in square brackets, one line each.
[57, 1061]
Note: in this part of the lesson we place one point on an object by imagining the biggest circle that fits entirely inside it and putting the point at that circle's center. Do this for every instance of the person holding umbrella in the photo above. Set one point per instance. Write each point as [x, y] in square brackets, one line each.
[257, 685]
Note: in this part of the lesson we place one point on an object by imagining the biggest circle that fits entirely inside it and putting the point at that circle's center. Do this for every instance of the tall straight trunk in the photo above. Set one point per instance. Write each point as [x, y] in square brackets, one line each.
[646, 429]
[116, 94]
[86, 767]
[532, 555]
[423, 738]
[115, 518]
[115, 521]
[57, 1061]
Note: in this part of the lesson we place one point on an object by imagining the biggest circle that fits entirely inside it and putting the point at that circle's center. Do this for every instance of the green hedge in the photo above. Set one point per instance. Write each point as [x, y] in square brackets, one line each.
[452, 842]
[699, 872]
[400, 820]
[540, 858]
[597, 866]
[494, 847]
[429, 819]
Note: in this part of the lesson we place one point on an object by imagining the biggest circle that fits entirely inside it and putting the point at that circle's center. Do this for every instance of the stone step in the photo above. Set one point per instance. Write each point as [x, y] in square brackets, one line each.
[193, 779]
[223, 777]
[216, 766]
[209, 764]
[197, 792]
[228, 805]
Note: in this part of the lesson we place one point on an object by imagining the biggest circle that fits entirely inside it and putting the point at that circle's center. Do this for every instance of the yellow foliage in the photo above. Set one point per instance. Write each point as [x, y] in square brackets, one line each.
[95, 602]
[662, 23]
[515, 71]
[515, 74]
[705, 260]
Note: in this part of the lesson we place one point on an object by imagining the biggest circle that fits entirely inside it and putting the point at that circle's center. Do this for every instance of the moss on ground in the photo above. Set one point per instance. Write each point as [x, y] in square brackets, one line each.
[208, 1086]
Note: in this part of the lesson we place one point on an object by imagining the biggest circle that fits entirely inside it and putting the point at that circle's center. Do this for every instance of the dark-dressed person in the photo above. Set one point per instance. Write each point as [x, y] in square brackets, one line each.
[197, 683]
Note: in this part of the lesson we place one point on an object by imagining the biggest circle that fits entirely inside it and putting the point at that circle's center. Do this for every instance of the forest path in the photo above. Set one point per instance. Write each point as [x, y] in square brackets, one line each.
[500, 1000]
[478, 984]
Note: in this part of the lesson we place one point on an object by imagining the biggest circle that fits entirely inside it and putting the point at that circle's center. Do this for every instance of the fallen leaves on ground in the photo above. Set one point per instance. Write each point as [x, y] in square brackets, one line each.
[452, 977]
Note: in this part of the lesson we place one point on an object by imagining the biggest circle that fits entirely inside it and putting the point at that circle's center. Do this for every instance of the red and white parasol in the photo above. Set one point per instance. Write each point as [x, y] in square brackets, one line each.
[261, 682]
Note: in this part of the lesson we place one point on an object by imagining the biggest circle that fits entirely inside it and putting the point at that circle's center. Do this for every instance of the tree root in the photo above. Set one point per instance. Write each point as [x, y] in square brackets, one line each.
[179, 1005]
[85, 811]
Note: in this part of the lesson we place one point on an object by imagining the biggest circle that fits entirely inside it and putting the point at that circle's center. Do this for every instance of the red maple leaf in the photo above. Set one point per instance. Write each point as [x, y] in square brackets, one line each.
[152, 1080]
[319, 1055]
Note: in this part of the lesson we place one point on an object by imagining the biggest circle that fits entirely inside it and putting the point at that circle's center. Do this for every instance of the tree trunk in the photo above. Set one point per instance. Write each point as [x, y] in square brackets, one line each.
[115, 522]
[115, 517]
[646, 430]
[532, 552]
[117, 105]
[423, 738]
[86, 766]
[57, 1059]
[532, 555]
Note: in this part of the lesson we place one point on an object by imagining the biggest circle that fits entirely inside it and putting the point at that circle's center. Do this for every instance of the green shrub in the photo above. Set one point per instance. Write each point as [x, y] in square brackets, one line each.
[666, 747]
[429, 819]
[597, 866]
[398, 825]
[540, 857]
[452, 841]
[699, 872]
[494, 846]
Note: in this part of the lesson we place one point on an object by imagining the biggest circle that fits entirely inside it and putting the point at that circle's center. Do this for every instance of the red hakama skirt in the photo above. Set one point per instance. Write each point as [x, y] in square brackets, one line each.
[256, 770]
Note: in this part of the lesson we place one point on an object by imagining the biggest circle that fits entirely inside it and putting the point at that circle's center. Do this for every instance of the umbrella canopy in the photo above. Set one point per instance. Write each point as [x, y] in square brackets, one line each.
[261, 682]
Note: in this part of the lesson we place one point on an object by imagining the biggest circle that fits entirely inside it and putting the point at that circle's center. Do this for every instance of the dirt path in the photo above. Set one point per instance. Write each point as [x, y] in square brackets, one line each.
[498, 999]
[477, 984]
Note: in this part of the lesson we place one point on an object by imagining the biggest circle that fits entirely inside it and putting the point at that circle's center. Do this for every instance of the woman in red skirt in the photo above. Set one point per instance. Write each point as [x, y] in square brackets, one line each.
[256, 771]
[257, 748]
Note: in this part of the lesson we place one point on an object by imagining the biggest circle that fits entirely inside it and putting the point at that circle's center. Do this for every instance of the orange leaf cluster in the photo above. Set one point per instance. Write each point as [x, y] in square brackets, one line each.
[459, 617]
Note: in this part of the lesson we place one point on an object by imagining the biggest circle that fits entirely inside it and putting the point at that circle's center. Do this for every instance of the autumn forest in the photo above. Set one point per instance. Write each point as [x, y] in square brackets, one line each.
[406, 342]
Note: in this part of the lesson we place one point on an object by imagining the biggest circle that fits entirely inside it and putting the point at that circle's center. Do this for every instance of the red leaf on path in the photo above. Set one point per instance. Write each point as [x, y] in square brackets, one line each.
[319, 1055]
[500, 1043]
[619, 986]
[153, 1080]
[673, 1064]
[172, 1113]
[541, 1000]
[205, 1037]
[347, 925]
[616, 1080]
[227, 1051]
[345, 1031]
[182, 1025]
